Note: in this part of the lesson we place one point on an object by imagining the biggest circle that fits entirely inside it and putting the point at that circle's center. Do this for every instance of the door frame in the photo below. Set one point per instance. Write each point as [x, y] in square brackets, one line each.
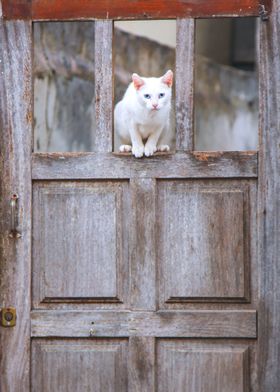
[16, 116]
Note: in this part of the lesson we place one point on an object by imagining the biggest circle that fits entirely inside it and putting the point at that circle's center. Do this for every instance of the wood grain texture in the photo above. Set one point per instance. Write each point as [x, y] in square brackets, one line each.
[142, 243]
[114, 166]
[203, 240]
[269, 207]
[141, 364]
[79, 365]
[123, 9]
[184, 84]
[80, 247]
[61, 347]
[192, 324]
[194, 367]
[103, 86]
[15, 169]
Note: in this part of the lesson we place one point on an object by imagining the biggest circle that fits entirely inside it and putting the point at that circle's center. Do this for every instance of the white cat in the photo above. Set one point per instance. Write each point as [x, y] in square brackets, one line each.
[142, 117]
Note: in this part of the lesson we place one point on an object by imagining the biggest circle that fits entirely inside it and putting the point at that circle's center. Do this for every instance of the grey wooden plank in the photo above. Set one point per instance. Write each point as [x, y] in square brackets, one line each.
[80, 234]
[15, 169]
[219, 366]
[192, 324]
[179, 165]
[103, 86]
[184, 84]
[203, 230]
[269, 206]
[141, 364]
[79, 365]
[142, 242]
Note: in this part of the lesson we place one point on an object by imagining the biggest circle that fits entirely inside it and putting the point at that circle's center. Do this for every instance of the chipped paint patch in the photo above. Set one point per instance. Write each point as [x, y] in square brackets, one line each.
[205, 156]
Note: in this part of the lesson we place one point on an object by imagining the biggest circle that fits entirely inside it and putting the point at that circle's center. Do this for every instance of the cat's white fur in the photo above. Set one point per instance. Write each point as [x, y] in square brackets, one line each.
[142, 117]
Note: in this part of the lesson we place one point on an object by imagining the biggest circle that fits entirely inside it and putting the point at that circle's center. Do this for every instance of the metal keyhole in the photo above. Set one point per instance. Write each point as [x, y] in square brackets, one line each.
[8, 316]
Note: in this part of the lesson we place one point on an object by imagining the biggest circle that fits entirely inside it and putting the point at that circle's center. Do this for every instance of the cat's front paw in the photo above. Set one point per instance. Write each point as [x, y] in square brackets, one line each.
[138, 151]
[163, 148]
[150, 149]
[125, 148]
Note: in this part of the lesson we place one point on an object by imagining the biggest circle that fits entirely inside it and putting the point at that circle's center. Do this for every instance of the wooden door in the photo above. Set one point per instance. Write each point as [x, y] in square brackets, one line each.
[137, 275]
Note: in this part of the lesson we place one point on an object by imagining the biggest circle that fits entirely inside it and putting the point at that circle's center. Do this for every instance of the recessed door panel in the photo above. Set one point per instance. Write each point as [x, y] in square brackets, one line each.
[78, 241]
[203, 240]
[84, 366]
[189, 367]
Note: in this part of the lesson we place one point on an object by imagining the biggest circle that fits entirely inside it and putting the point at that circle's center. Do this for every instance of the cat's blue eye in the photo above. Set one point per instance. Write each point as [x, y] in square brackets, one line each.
[147, 96]
[161, 95]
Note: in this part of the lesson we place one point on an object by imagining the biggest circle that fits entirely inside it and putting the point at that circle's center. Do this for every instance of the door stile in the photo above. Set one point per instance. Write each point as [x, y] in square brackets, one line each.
[15, 168]
[141, 363]
[268, 204]
[141, 368]
[103, 86]
[184, 84]
[143, 255]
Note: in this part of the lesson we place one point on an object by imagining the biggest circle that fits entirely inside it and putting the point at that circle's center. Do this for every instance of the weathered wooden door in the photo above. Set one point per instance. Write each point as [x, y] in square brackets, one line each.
[137, 275]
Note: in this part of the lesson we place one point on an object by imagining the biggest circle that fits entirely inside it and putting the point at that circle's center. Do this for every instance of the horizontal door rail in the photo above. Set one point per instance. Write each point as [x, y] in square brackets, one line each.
[128, 9]
[69, 166]
[196, 324]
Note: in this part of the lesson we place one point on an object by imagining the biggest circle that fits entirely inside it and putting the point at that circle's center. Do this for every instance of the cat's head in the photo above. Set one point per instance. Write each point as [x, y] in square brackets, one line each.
[153, 93]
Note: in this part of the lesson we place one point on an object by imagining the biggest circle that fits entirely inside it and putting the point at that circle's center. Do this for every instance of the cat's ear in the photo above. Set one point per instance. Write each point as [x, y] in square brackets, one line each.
[168, 78]
[137, 81]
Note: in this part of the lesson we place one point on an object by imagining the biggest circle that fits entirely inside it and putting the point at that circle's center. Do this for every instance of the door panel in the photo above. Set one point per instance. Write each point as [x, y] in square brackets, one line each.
[203, 240]
[84, 366]
[186, 366]
[80, 242]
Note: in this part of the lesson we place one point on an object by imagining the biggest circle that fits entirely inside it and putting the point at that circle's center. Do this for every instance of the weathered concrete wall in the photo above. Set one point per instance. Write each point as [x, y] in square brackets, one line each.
[225, 99]
[213, 36]
[63, 86]
[226, 107]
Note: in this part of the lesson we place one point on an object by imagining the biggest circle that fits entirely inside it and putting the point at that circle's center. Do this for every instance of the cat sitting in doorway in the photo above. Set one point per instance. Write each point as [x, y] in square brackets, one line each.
[142, 117]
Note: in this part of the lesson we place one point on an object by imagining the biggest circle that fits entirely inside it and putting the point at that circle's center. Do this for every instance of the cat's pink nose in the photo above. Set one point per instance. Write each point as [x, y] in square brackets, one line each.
[155, 105]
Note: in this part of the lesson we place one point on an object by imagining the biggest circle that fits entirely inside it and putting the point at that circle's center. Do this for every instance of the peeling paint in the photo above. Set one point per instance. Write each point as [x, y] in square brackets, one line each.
[82, 9]
[205, 156]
